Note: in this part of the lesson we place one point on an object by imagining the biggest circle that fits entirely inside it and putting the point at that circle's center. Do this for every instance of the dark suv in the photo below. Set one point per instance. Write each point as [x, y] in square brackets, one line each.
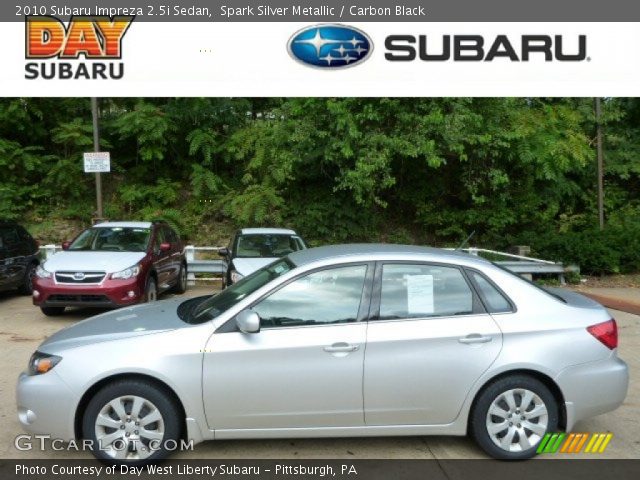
[110, 265]
[18, 258]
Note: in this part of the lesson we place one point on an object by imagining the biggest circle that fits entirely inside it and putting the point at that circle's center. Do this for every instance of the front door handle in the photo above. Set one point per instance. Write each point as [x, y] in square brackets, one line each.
[475, 338]
[341, 347]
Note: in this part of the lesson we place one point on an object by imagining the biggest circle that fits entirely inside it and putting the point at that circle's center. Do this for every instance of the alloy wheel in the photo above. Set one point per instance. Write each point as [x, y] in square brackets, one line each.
[129, 428]
[517, 419]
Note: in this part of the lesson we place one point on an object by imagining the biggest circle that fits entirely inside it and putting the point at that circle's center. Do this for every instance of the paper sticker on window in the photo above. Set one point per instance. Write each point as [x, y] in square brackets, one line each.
[420, 294]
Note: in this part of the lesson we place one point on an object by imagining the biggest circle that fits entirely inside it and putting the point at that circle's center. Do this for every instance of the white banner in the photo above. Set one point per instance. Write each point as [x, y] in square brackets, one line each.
[253, 59]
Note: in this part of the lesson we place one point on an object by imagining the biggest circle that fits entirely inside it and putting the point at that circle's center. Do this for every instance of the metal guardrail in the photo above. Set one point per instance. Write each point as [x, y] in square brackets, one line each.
[195, 265]
[525, 266]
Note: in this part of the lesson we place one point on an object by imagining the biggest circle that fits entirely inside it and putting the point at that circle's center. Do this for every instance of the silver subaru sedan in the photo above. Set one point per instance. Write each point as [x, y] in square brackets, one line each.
[338, 341]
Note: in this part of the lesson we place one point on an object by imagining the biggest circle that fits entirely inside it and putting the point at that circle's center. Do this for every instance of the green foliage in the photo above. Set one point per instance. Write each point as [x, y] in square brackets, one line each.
[404, 170]
[614, 250]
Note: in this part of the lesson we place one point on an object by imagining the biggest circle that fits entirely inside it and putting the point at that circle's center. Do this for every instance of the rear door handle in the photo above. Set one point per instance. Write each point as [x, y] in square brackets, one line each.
[341, 347]
[475, 338]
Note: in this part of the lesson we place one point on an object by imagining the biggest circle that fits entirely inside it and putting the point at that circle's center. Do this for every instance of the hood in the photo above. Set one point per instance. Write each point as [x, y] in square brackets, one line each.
[109, 262]
[246, 266]
[117, 324]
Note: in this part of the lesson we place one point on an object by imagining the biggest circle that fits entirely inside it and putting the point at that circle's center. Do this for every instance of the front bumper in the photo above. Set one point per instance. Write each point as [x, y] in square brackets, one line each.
[46, 406]
[593, 388]
[109, 294]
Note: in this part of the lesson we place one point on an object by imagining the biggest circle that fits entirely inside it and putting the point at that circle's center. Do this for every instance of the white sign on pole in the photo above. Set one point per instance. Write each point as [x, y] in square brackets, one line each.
[97, 162]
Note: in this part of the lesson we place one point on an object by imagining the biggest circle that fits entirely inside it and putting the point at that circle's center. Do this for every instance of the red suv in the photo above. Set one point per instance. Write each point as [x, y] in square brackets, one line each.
[111, 265]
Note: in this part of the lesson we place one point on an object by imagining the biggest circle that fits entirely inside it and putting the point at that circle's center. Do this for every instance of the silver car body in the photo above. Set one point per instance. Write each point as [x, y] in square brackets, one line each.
[404, 377]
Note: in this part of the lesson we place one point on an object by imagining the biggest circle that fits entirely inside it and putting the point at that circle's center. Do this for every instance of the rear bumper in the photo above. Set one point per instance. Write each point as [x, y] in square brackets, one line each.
[593, 388]
[109, 294]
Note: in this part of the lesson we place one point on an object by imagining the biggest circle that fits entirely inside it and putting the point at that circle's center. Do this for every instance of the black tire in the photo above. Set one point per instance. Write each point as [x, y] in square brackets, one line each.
[152, 286]
[140, 388]
[52, 311]
[26, 288]
[181, 283]
[478, 419]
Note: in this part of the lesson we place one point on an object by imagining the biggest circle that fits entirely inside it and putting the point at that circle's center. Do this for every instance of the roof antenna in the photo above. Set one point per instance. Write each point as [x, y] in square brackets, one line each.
[466, 241]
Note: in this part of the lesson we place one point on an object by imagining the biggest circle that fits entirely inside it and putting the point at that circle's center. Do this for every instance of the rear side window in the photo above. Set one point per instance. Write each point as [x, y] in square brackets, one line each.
[418, 291]
[495, 301]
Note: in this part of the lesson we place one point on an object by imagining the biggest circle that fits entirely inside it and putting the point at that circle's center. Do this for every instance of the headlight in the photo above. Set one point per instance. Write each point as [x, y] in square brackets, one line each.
[42, 273]
[235, 276]
[127, 273]
[40, 363]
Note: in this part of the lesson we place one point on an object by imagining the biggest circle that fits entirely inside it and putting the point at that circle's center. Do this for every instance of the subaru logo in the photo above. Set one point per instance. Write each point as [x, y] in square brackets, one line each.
[330, 46]
[78, 276]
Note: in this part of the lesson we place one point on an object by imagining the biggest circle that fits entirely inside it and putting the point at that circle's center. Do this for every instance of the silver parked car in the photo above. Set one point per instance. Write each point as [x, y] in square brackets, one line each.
[353, 340]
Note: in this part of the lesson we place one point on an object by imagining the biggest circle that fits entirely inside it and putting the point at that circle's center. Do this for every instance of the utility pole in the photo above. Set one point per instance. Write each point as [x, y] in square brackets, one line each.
[598, 109]
[96, 148]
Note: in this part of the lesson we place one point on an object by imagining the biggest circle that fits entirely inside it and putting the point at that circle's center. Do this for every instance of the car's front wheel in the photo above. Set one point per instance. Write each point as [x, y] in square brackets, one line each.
[512, 415]
[26, 288]
[131, 422]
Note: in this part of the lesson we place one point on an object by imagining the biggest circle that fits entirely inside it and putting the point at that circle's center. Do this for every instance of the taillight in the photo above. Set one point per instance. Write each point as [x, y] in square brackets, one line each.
[606, 332]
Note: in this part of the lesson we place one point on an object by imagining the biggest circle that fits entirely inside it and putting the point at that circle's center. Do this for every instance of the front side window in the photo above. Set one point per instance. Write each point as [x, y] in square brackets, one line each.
[112, 239]
[9, 236]
[418, 291]
[329, 296]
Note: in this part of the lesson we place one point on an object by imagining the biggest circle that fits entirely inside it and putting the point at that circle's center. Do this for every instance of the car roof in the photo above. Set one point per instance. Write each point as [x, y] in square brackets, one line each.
[124, 224]
[267, 231]
[380, 251]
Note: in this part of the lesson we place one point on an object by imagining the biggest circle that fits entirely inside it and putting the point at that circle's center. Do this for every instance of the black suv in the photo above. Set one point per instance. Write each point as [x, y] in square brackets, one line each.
[18, 258]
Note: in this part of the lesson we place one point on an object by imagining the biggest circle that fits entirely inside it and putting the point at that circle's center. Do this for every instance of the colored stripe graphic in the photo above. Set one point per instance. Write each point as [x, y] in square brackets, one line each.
[551, 443]
[574, 442]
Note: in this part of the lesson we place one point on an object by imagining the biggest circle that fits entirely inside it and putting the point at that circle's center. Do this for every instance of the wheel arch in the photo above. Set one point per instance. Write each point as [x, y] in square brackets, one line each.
[86, 398]
[545, 379]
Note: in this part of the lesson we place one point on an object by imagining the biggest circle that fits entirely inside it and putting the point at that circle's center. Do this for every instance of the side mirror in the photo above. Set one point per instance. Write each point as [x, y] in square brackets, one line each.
[223, 252]
[66, 245]
[165, 247]
[248, 321]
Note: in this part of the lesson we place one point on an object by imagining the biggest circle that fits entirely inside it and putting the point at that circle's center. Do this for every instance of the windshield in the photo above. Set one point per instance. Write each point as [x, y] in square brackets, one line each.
[216, 304]
[264, 245]
[112, 239]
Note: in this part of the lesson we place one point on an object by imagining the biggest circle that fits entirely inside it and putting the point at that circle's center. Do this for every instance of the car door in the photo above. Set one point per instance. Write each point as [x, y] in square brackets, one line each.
[304, 368]
[175, 254]
[428, 340]
[161, 260]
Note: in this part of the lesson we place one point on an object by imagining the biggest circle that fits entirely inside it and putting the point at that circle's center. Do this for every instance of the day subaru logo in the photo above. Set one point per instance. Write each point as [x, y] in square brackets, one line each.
[78, 276]
[330, 46]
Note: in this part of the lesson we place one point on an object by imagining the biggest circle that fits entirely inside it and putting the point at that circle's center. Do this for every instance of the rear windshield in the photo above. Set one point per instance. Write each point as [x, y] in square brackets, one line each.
[112, 239]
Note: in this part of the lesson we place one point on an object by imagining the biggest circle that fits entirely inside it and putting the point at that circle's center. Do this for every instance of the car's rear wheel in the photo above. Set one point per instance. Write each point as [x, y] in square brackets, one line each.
[511, 416]
[151, 290]
[181, 283]
[131, 422]
[52, 311]
[27, 282]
